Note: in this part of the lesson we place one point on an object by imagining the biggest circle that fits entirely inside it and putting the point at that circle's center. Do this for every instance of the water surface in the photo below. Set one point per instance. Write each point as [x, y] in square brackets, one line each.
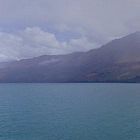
[69, 111]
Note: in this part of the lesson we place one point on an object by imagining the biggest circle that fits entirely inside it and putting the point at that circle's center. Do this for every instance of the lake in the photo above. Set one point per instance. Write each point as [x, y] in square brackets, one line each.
[70, 111]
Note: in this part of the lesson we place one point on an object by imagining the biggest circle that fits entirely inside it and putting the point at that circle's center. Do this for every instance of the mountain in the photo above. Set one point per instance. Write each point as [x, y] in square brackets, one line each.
[117, 61]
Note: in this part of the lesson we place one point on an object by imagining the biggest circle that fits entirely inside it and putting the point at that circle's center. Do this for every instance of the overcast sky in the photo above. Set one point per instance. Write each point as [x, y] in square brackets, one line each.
[30, 28]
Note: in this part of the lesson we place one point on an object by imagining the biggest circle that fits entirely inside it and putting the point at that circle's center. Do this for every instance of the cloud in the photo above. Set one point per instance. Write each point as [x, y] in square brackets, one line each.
[108, 17]
[34, 41]
[63, 26]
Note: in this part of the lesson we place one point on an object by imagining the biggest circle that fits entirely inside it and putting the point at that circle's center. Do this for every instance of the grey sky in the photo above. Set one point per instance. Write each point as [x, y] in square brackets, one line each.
[31, 28]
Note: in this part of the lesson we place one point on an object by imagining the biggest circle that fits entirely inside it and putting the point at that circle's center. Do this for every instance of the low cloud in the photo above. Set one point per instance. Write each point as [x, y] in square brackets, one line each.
[33, 42]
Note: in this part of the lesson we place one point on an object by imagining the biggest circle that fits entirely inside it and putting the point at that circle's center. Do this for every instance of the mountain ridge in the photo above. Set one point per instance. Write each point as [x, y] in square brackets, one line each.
[116, 61]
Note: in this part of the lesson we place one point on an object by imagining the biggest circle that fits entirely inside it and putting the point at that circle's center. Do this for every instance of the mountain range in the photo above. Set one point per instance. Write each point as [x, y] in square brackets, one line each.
[117, 61]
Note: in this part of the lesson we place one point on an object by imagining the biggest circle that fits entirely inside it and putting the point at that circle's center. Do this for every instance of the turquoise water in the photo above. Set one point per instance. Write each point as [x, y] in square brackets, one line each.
[69, 112]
